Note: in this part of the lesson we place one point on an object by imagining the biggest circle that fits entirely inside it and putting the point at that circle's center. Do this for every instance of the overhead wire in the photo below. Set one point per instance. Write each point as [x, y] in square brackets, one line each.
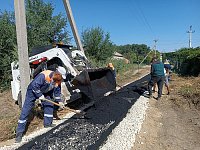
[134, 14]
[146, 22]
[139, 17]
[142, 17]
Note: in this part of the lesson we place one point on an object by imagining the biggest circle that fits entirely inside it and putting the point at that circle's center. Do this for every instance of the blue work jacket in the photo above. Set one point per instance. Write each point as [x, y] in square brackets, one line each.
[43, 83]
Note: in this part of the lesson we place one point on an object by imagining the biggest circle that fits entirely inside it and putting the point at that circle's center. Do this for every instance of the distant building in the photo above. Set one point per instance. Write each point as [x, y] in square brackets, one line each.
[119, 56]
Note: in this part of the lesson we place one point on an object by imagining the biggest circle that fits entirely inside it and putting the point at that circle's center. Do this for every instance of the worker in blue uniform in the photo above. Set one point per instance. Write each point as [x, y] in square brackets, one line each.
[47, 85]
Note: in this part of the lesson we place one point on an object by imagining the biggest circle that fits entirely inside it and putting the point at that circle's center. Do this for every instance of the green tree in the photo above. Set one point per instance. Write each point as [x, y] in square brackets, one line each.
[134, 52]
[131, 56]
[8, 51]
[42, 27]
[97, 43]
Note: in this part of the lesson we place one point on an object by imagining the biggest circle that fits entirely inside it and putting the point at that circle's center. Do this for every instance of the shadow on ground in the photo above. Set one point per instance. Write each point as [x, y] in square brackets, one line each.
[90, 132]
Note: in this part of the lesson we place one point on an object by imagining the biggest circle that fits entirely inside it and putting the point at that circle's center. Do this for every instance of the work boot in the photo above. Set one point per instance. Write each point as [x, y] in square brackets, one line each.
[18, 138]
[147, 96]
[55, 116]
[49, 126]
[158, 98]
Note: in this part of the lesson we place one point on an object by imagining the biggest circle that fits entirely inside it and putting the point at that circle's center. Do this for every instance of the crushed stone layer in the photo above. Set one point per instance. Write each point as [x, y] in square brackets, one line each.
[123, 136]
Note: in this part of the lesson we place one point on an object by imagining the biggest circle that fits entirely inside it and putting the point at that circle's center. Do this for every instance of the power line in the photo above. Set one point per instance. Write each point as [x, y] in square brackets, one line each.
[144, 17]
[140, 17]
[144, 20]
[137, 17]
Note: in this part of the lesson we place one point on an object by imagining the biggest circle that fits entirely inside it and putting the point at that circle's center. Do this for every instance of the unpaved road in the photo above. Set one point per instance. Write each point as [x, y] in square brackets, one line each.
[170, 124]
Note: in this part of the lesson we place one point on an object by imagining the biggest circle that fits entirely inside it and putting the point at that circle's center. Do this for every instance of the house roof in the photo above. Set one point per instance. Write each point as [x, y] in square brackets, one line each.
[118, 54]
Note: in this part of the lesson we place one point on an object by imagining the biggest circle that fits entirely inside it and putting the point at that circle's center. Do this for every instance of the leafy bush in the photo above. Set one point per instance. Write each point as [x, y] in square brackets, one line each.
[191, 66]
[186, 61]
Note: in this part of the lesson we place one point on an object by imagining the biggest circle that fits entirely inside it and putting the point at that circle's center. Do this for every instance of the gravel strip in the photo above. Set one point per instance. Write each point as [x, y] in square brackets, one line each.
[123, 136]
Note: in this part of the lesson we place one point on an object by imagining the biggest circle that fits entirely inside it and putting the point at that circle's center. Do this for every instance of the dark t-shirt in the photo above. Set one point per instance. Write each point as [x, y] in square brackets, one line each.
[157, 69]
[167, 66]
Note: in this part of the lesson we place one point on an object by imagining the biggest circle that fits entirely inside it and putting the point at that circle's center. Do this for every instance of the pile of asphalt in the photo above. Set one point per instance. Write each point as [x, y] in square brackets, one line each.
[93, 130]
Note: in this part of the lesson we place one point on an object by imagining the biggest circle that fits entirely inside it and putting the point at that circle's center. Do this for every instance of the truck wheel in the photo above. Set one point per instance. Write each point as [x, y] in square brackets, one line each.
[19, 100]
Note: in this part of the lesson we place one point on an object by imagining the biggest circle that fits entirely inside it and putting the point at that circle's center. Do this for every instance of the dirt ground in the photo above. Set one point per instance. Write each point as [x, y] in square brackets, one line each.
[173, 123]
[9, 113]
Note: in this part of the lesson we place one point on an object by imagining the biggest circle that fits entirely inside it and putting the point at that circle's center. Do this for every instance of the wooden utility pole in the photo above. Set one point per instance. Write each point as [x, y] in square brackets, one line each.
[22, 46]
[72, 24]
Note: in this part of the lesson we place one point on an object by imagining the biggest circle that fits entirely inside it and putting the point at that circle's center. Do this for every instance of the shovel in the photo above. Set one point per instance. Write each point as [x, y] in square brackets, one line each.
[67, 108]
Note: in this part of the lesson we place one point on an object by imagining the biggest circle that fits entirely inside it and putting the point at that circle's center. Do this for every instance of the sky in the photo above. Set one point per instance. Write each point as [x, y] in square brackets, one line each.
[135, 21]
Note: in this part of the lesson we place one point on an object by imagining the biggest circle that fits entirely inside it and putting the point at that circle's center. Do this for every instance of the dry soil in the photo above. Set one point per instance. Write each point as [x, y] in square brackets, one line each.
[173, 123]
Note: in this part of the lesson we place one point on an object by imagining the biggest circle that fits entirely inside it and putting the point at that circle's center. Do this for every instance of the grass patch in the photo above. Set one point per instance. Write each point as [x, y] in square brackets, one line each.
[191, 92]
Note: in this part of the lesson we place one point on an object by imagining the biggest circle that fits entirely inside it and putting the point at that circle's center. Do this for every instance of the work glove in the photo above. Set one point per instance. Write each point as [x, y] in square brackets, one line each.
[62, 106]
[41, 97]
[40, 100]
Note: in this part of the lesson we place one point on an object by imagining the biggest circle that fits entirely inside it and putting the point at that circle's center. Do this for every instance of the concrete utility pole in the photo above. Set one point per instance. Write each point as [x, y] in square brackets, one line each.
[161, 56]
[22, 46]
[72, 24]
[190, 36]
[155, 46]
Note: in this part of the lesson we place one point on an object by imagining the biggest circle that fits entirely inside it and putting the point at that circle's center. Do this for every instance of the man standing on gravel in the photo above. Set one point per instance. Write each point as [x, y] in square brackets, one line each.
[157, 77]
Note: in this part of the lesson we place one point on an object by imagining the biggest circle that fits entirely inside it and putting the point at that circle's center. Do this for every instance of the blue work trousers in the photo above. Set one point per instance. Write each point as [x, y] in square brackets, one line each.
[26, 110]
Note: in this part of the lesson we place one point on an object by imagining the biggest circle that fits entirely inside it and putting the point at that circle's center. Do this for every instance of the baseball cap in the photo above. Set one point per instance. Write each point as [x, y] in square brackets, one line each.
[62, 71]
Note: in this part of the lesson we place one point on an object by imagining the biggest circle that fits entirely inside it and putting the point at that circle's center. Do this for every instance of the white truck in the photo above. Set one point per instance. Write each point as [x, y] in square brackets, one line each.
[81, 81]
